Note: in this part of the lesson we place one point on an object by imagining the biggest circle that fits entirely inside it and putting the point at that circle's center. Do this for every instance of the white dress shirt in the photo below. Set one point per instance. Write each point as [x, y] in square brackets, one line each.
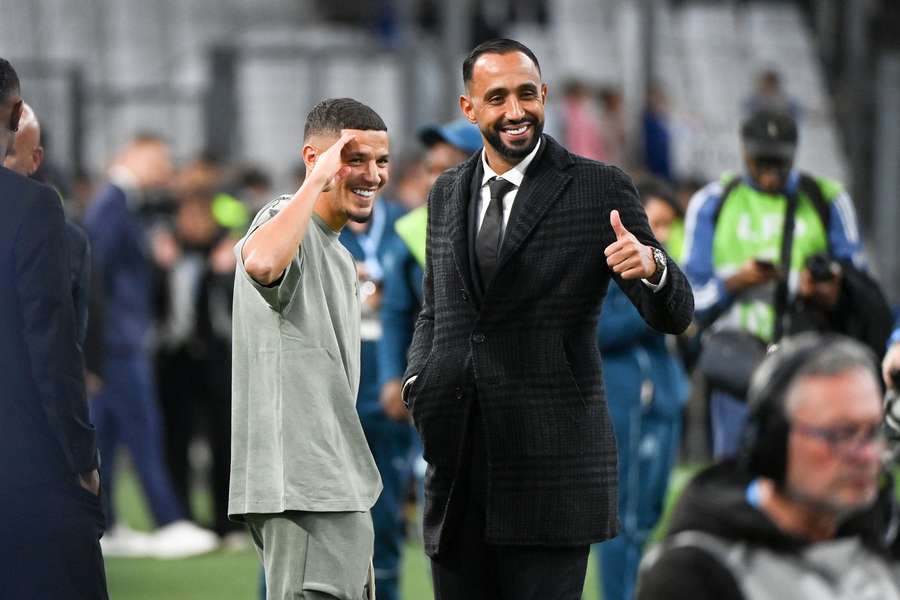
[514, 176]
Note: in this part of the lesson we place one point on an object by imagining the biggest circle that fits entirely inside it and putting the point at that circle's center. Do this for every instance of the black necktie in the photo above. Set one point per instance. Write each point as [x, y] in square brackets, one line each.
[487, 244]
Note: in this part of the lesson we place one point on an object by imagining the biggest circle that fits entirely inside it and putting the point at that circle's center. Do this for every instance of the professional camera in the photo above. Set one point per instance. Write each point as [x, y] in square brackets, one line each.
[821, 267]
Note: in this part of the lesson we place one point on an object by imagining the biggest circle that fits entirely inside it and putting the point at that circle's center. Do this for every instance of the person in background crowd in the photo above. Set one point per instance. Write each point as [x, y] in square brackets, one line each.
[390, 441]
[733, 253]
[302, 475]
[196, 263]
[446, 145]
[409, 181]
[769, 95]
[581, 121]
[125, 409]
[503, 381]
[612, 125]
[798, 514]
[646, 389]
[657, 134]
[52, 516]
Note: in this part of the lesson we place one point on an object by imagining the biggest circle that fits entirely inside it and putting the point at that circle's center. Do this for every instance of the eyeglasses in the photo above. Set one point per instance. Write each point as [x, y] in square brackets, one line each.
[843, 439]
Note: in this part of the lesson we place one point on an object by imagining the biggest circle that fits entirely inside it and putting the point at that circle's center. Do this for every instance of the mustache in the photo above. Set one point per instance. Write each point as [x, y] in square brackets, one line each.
[525, 121]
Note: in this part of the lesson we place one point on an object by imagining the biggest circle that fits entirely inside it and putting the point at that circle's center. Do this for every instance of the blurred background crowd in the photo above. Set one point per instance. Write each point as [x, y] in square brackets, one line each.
[192, 111]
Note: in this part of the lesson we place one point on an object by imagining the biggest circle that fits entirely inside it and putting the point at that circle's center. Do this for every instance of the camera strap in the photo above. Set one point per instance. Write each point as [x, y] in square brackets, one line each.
[787, 243]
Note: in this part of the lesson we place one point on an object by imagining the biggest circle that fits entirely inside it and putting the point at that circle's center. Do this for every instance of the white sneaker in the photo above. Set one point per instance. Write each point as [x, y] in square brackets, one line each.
[180, 539]
[122, 541]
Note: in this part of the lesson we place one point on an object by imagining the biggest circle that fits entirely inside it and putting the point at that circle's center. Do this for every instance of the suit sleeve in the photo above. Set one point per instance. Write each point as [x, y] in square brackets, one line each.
[671, 309]
[423, 335]
[48, 316]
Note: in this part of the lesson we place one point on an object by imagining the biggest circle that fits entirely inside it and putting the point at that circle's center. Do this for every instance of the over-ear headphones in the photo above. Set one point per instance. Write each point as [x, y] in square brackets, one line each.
[764, 442]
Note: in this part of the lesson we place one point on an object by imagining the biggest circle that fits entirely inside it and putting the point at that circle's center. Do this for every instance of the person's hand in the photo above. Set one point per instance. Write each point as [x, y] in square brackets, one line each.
[222, 259]
[627, 256]
[90, 481]
[329, 168]
[822, 293]
[164, 247]
[891, 365]
[751, 274]
[392, 402]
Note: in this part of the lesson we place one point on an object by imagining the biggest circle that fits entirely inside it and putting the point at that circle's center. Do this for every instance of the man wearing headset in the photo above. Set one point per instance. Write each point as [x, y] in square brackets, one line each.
[796, 514]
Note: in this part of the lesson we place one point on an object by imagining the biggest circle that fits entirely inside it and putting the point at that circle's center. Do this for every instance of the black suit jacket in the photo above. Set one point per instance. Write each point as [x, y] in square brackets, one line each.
[525, 346]
[45, 432]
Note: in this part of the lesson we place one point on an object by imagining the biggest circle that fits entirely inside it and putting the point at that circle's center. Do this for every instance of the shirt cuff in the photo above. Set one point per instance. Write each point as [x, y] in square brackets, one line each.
[406, 385]
[655, 287]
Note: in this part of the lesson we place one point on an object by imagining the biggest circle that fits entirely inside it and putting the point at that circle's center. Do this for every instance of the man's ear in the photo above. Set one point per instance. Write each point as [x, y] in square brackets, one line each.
[16, 115]
[309, 154]
[38, 158]
[544, 93]
[468, 108]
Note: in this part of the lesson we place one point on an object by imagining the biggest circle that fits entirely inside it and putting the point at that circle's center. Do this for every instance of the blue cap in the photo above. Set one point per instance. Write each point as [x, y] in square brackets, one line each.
[459, 133]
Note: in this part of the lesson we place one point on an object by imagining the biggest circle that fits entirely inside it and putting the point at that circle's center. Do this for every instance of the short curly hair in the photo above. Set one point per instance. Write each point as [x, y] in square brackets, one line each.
[333, 114]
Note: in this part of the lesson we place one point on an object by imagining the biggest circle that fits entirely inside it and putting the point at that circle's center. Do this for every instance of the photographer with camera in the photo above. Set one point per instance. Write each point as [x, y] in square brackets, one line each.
[806, 511]
[751, 247]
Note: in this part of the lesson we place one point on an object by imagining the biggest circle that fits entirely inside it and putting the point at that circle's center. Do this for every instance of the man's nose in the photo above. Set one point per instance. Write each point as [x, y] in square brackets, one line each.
[514, 110]
[370, 175]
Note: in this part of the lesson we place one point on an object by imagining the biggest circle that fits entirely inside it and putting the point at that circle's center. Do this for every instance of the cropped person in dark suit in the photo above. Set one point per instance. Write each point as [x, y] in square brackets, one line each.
[24, 156]
[52, 517]
[504, 380]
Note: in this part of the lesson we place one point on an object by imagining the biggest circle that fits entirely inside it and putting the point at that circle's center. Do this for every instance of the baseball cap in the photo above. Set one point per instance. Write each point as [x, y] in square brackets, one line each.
[770, 134]
[459, 133]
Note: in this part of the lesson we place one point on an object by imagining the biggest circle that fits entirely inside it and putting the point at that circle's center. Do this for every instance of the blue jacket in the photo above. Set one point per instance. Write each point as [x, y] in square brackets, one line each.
[381, 233]
[45, 430]
[632, 353]
[400, 304]
[121, 257]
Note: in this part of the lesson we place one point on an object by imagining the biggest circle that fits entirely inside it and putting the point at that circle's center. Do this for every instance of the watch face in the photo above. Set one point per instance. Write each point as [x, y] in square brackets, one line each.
[660, 257]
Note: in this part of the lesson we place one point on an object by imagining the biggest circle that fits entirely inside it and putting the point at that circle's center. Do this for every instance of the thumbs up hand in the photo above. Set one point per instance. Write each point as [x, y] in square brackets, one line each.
[627, 256]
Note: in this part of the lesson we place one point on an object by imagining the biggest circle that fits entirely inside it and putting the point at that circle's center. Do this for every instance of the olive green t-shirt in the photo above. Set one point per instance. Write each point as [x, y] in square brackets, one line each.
[296, 439]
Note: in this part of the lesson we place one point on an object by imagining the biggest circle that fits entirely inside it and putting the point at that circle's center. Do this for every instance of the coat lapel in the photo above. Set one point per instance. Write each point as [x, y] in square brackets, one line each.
[544, 181]
[458, 213]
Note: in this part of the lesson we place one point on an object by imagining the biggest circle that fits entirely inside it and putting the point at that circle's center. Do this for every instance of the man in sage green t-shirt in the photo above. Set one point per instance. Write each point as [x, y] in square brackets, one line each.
[302, 475]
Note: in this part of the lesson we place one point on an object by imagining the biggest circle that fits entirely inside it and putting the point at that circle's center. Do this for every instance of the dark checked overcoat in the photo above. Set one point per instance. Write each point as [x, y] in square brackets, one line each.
[524, 347]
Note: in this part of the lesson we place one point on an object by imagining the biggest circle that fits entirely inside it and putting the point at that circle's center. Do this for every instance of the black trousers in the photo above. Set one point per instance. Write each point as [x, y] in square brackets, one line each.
[50, 543]
[469, 568]
[195, 398]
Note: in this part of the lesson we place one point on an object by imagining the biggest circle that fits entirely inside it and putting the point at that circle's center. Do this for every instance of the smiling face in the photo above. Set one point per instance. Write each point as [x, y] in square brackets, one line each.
[353, 198]
[505, 98]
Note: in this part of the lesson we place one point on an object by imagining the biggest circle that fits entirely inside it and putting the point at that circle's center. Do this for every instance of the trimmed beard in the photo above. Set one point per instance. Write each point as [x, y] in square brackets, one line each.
[492, 135]
[356, 218]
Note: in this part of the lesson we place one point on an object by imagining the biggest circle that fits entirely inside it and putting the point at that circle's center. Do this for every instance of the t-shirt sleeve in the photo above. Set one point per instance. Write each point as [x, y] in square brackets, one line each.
[687, 573]
[279, 293]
